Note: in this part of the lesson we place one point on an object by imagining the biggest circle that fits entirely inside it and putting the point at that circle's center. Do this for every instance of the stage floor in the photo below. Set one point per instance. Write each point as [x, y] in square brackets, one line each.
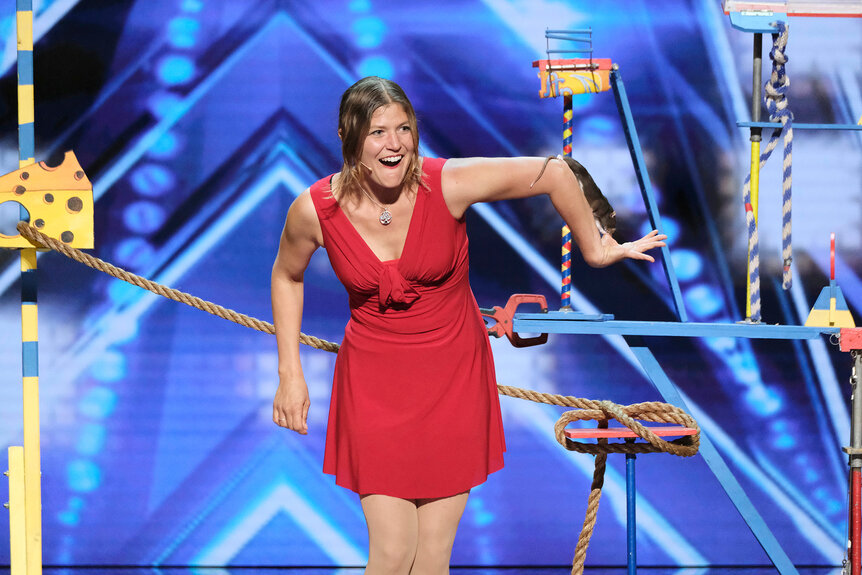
[508, 570]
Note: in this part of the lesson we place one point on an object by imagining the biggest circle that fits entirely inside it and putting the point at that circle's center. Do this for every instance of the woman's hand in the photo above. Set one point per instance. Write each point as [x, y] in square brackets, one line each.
[613, 252]
[290, 406]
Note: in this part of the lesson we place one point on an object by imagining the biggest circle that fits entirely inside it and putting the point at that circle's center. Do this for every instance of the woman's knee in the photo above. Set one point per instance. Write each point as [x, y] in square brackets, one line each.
[392, 533]
[435, 547]
[391, 556]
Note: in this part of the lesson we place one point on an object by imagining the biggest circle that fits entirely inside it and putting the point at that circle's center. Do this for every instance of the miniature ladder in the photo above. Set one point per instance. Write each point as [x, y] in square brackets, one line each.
[631, 491]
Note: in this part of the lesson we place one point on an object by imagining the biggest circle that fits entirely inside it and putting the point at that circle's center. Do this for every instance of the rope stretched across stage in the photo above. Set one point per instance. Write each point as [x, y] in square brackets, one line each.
[581, 409]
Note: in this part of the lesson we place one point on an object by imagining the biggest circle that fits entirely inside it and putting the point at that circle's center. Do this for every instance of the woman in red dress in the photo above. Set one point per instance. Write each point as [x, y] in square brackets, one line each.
[414, 420]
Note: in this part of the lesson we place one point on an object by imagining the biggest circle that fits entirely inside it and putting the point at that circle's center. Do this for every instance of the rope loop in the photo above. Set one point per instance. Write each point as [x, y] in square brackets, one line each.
[775, 89]
[628, 416]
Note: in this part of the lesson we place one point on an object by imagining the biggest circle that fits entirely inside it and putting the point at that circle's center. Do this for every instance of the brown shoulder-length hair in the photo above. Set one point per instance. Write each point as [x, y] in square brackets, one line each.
[358, 104]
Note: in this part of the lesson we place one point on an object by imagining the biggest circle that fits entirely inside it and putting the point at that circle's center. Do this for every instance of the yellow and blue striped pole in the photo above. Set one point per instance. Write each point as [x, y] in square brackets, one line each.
[26, 132]
[29, 309]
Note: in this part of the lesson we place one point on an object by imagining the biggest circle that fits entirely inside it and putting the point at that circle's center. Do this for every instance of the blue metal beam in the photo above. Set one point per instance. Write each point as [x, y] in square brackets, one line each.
[645, 185]
[563, 322]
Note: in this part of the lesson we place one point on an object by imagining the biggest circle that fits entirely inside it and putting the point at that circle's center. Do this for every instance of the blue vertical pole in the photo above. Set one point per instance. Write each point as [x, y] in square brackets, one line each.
[631, 516]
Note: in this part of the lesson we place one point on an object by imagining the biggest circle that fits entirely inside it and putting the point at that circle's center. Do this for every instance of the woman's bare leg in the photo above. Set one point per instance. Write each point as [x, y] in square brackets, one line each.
[393, 531]
[438, 523]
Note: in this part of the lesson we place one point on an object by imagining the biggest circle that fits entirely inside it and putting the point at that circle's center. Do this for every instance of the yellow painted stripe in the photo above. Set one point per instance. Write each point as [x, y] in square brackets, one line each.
[29, 322]
[754, 191]
[25, 104]
[18, 555]
[32, 476]
[28, 259]
[25, 163]
[755, 176]
[30, 381]
[25, 30]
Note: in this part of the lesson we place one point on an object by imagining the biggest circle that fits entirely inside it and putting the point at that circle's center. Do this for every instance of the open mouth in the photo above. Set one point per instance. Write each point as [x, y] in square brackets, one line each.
[391, 161]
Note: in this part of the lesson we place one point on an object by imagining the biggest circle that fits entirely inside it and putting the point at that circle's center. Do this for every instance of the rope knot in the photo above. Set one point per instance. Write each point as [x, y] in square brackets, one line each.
[777, 54]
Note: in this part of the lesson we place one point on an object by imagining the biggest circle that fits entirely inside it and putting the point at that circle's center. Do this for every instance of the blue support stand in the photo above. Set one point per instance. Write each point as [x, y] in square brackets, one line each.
[631, 515]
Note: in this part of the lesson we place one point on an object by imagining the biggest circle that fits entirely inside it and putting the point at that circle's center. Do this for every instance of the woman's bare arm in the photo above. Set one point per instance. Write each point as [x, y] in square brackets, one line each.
[299, 239]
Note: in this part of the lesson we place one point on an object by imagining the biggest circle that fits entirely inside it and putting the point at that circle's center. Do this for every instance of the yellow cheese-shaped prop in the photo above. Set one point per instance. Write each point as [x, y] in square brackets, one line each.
[59, 200]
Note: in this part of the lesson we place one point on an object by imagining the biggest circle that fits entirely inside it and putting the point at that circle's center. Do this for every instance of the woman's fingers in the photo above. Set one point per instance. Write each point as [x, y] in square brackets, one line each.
[637, 249]
[296, 419]
[305, 417]
[293, 416]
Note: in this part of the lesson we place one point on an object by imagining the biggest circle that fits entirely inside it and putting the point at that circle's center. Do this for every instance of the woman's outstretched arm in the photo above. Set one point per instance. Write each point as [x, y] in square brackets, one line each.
[467, 181]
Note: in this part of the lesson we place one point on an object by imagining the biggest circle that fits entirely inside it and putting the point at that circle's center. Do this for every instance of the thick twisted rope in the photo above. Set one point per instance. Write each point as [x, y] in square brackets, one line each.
[775, 99]
[36, 237]
[585, 409]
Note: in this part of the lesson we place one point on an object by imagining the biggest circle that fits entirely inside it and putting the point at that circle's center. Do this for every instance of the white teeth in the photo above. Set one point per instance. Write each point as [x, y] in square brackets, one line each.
[391, 160]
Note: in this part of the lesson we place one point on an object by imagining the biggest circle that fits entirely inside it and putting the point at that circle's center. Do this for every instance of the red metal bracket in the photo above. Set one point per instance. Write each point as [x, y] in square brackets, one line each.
[504, 317]
[850, 339]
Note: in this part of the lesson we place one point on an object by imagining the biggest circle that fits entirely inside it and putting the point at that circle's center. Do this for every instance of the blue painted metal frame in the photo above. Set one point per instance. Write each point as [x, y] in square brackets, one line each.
[758, 22]
[568, 323]
[561, 322]
[645, 185]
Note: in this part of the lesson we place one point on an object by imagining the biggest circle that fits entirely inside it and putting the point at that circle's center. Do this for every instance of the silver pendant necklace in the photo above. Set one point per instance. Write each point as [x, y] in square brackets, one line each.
[385, 215]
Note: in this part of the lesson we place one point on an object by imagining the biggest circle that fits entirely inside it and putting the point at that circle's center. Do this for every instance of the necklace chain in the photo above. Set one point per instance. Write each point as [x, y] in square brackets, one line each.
[385, 215]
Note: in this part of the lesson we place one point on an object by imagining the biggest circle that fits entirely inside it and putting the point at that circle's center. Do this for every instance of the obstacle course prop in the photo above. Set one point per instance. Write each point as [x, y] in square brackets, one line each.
[556, 80]
[685, 446]
[570, 76]
[59, 201]
[830, 309]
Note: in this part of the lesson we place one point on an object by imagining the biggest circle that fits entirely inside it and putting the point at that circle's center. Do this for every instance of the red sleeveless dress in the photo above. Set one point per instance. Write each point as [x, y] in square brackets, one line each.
[414, 410]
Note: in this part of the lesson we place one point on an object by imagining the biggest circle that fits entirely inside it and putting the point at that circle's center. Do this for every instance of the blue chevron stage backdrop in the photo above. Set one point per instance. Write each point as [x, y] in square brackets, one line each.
[198, 122]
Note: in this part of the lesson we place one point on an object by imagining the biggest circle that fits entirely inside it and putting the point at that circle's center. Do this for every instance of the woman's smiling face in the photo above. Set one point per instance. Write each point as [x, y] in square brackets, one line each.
[388, 147]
